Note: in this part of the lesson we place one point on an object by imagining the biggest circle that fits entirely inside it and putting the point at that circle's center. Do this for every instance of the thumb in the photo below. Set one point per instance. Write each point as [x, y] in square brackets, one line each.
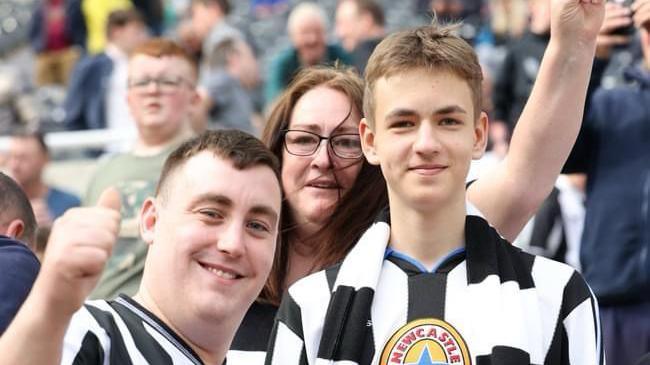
[110, 198]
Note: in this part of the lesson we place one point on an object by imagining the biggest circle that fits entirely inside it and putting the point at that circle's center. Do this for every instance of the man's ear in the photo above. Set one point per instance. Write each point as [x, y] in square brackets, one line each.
[368, 142]
[148, 219]
[15, 229]
[480, 136]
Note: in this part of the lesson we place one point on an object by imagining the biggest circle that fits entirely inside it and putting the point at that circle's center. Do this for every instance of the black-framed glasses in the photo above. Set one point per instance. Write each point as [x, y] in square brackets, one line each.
[304, 143]
[165, 84]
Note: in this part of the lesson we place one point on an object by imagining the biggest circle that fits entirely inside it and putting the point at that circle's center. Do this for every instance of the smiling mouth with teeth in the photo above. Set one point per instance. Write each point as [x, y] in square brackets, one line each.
[220, 273]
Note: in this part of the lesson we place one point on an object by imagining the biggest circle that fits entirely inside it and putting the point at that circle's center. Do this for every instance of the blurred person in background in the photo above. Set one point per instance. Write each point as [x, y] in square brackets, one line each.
[96, 97]
[153, 13]
[612, 149]
[27, 158]
[161, 96]
[307, 25]
[230, 76]
[508, 19]
[58, 38]
[209, 24]
[515, 78]
[17, 234]
[96, 14]
[469, 11]
[360, 26]
[557, 227]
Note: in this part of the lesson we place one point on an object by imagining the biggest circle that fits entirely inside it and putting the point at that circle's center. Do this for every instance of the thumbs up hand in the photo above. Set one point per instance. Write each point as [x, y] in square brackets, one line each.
[79, 246]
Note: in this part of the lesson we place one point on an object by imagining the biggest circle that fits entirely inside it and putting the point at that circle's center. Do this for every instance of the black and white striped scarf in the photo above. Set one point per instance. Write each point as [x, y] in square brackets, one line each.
[338, 316]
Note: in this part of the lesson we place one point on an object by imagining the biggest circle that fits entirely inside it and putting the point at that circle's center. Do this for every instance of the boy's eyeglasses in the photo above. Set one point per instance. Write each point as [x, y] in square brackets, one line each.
[304, 143]
[165, 84]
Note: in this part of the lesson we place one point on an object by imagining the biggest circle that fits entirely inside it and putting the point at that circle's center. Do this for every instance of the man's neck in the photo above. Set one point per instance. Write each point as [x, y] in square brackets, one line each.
[427, 235]
[200, 336]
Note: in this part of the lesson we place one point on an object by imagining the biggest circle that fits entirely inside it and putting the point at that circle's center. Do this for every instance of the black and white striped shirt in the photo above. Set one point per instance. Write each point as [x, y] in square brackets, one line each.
[122, 332]
[252, 337]
[490, 303]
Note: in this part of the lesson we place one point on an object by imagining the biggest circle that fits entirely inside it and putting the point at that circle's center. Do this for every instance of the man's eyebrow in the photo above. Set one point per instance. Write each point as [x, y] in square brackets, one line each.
[265, 210]
[450, 109]
[212, 198]
[401, 112]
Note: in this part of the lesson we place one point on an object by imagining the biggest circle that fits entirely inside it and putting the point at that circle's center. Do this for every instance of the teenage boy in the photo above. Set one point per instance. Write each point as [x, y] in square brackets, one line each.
[211, 245]
[431, 282]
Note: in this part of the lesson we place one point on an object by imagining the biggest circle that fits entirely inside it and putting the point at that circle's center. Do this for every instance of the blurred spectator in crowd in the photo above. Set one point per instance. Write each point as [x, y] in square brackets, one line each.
[96, 13]
[18, 264]
[514, 80]
[153, 13]
[58, 35]
[508, 19]
[96, 96]
[306, 26]
[360, 27]
[209, 24]
[266, 8]
[27, 158]
[9, 96]
[160, 95]
[557, 226]
[613, 150]
[467, 11]
[231, 72]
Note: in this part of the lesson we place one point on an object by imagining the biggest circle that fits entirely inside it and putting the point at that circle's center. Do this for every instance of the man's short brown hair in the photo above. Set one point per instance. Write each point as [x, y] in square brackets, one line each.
[433, 47]
[161, 47]
[239, 148]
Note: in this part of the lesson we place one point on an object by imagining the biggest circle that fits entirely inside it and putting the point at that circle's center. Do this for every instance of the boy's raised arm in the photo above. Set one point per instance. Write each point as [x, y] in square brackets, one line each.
[548, 126]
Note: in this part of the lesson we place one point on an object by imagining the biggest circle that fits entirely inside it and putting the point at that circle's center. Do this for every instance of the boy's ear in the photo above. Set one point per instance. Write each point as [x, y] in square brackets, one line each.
[148, 218]
[368, 142]
[480, 136]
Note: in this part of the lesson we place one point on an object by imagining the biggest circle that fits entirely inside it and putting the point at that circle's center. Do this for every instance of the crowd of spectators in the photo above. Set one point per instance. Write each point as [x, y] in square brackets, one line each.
[65, 66]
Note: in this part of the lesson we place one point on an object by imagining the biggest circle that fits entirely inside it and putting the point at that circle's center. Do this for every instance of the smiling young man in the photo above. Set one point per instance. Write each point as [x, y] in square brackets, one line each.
[211, 245]
[431, 282]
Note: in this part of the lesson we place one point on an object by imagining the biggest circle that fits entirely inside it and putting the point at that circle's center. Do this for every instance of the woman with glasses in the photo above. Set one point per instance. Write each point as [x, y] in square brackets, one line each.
[313, 130]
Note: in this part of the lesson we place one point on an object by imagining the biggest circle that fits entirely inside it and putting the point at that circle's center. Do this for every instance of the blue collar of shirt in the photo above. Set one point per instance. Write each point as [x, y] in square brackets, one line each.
[400, 255]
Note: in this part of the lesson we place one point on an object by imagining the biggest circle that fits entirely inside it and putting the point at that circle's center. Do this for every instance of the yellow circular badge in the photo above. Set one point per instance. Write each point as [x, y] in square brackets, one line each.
[427, 341]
